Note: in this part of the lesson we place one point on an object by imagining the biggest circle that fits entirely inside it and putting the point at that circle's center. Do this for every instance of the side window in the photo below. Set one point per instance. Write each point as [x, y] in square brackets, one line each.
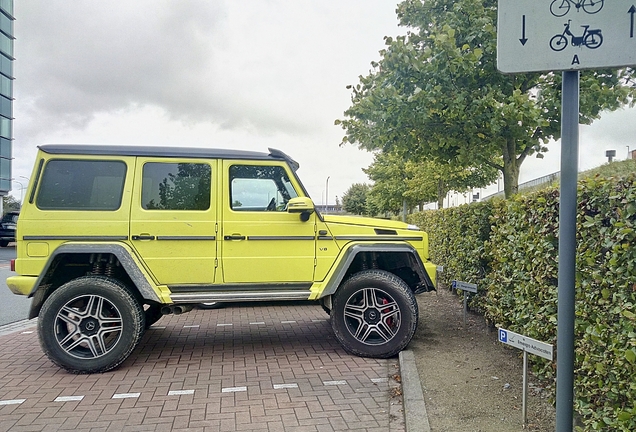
[81, 185]
[259, 188]
[175, 186]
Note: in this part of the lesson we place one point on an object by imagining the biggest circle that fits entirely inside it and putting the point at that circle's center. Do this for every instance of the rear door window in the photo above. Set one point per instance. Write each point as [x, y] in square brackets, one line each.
[176, 186]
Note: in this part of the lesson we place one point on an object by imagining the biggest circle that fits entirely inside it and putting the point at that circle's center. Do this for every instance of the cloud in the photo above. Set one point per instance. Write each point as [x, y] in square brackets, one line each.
[100, 56]
[265, 66]
[246, 74]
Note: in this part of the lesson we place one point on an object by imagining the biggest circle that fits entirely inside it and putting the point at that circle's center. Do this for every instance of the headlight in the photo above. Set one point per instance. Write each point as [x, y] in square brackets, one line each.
[413, 228]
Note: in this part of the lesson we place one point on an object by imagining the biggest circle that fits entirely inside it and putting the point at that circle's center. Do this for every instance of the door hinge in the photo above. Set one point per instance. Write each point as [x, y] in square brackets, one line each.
[216, 262]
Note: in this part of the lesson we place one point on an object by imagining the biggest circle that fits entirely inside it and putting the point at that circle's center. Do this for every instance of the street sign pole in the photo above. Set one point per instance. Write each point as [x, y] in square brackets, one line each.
[569, 36]
[528, 345]
[524, 396]
[567, 251]
[466, 287]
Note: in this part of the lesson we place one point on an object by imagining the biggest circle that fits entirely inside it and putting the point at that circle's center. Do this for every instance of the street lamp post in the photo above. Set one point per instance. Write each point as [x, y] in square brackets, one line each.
[21, 190]
[327, 194]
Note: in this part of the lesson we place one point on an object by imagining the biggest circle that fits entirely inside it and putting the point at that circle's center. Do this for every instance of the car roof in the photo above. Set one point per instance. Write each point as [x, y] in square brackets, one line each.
[176, 152]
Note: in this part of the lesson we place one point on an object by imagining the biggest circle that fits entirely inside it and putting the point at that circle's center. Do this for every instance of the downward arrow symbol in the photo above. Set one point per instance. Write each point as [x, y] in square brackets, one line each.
[523, 39]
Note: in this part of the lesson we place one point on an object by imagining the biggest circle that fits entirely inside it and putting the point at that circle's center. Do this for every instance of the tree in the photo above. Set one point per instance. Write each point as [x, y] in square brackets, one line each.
[354, 199]
[397, 178]
[9, 203]
[436, 93]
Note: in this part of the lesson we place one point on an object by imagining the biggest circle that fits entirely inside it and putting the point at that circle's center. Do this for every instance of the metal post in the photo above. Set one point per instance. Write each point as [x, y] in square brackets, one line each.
[567, 251]
[524, 397]
[327, 194]
[465, 306]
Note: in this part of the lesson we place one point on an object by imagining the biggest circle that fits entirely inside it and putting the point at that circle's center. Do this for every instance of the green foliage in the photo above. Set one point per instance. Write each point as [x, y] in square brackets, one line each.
[620, 168]
[513, 257]
[436, 93]
[9, 203]
[457, 239]
[397, 178]
[354, 199]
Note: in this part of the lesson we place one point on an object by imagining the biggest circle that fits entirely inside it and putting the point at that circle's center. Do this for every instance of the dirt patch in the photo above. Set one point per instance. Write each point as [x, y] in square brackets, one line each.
[470, 381]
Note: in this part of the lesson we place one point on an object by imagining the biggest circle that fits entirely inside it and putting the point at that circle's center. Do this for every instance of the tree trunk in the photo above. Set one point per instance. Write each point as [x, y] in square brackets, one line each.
[511, 167]
[441, 193]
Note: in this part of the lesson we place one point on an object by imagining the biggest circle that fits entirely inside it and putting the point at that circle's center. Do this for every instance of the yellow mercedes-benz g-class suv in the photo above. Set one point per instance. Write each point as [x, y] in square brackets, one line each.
[111, 238]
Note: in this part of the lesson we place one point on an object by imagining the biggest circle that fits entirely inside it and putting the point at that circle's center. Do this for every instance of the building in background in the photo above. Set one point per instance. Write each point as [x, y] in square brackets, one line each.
[6, 94]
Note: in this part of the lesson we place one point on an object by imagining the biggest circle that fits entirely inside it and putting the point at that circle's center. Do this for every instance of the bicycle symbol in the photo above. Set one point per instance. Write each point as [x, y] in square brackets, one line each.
[590, 38]
[559, 8]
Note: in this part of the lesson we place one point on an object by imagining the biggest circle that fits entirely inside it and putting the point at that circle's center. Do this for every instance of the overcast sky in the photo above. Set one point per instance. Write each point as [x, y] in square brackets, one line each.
[241, 74]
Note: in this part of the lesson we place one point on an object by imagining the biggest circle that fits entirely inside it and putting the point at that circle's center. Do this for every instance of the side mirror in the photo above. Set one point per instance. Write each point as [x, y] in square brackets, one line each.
[302, 205]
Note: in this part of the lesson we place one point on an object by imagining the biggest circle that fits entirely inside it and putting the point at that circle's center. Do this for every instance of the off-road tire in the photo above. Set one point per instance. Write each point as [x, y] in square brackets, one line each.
[97, 319]
[374, 314]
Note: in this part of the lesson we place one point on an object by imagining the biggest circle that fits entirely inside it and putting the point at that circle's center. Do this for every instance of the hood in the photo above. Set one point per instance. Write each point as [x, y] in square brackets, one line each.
[366, 221]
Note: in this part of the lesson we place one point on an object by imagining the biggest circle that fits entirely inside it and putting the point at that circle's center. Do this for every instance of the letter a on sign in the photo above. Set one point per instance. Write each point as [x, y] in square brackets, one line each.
[575, 60]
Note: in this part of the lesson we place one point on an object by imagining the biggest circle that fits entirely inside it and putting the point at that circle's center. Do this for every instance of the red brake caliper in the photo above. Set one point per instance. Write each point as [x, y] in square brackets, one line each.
[389, 321]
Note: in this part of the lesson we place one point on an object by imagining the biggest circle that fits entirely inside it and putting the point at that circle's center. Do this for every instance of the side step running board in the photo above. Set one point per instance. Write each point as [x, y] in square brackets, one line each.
[236, 296]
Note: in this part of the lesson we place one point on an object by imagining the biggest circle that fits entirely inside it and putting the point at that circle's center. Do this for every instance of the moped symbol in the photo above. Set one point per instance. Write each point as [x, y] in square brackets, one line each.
[590, 38]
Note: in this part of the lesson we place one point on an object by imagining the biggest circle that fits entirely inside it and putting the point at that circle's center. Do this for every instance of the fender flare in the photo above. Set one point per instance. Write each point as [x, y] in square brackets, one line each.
[337, 275]
[123, 254]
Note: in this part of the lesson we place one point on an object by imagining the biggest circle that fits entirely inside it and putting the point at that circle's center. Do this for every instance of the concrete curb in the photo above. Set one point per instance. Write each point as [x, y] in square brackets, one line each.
[415, 417]
[17, 326]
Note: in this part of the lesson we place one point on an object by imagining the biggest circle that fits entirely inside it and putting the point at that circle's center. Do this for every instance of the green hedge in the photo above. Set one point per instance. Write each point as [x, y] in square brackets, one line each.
[510, 249]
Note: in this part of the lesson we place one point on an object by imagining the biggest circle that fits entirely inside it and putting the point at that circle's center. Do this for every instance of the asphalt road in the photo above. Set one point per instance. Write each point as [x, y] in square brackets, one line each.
[12, 307]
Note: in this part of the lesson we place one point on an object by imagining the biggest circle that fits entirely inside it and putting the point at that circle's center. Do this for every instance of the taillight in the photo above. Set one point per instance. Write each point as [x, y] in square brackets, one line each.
[12, 265]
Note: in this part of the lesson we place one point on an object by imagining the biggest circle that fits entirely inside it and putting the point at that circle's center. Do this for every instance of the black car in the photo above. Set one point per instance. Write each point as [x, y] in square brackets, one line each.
[7, 228]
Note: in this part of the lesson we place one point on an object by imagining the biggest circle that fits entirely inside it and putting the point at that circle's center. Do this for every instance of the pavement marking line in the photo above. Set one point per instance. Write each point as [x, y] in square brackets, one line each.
[258, 323]
[233, 389]
[157, 327]
[68, 398]
[224, 325]
[318, 320]
[180, 392]
[126, 395]
[12, 402]
[191, 326]
[379, 380]
[285, 386]
[334, 383]
[27, 332]
[287, 322]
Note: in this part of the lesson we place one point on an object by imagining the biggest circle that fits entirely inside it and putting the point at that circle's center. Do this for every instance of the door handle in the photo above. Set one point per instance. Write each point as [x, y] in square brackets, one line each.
[234, 237]
[143, 237]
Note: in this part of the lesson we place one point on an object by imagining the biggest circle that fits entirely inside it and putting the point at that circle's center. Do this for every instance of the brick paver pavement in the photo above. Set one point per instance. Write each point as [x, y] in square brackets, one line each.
[240, 368]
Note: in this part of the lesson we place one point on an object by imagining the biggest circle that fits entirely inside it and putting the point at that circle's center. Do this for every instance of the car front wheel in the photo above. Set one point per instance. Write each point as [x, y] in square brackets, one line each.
[374, 314]
[90, 324]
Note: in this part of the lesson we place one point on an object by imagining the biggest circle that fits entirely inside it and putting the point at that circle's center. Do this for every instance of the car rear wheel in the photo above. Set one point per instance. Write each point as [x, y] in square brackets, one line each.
[90, 324]
[374, 314]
